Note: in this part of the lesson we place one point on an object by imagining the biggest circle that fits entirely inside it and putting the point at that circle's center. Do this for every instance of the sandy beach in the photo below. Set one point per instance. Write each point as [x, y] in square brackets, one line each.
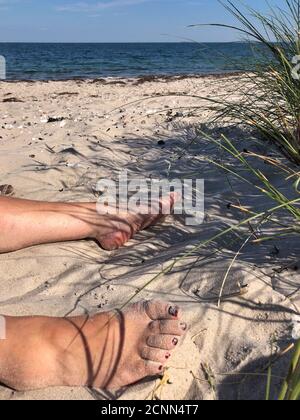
[57, 139]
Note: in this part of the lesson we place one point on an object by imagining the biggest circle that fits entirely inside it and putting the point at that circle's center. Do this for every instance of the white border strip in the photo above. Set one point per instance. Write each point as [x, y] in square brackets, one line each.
[2, 68]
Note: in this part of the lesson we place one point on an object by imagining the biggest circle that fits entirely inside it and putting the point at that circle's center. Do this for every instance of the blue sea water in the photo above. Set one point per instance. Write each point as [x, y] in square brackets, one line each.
[67, 61]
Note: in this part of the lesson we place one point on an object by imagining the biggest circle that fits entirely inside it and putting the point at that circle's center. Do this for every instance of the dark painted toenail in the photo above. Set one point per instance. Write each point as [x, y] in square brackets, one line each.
[173, 311]
[175, 341]
[183, 326]
[160, 368]
[168, 356]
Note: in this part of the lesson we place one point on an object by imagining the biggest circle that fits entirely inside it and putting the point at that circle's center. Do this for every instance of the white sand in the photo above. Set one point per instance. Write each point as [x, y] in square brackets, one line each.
[98, 139]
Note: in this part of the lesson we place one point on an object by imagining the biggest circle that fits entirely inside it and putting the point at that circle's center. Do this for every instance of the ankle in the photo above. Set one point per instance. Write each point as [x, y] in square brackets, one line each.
[85, 349]
[22, 367]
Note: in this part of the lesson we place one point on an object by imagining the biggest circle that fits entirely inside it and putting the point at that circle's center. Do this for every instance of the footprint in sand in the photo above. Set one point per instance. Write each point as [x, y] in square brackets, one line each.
[6, 190]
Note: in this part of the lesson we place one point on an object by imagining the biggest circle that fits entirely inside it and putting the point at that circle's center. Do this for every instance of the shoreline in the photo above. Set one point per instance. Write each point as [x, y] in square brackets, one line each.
[140, 79]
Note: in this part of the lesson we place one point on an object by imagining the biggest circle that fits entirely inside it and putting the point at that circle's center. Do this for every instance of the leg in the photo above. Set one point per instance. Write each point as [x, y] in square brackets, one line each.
[26, 223]
[107, 351]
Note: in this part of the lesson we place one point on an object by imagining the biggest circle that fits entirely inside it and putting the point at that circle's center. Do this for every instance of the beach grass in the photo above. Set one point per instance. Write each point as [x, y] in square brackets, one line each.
[269, 103]
[269, 95]
[291, 386]
[283, 225]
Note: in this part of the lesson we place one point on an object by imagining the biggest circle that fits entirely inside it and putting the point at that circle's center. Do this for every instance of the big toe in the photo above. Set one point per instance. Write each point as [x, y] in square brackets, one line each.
[159, 310]
[114, 240]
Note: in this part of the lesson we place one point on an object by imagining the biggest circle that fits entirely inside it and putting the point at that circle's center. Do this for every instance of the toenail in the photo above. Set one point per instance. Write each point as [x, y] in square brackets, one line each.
[183, 326]
[175, 341]
[160, 368]
[173, 311]
[168, 355]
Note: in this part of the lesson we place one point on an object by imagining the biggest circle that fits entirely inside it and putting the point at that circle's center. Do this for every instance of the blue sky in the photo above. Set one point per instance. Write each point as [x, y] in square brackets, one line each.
[113, 20]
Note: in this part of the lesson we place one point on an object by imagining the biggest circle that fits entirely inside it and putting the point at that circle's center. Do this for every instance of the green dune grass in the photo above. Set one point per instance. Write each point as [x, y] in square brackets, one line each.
[270, 94]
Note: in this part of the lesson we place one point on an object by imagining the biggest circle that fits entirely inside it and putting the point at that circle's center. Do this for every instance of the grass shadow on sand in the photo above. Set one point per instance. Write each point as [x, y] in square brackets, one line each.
[195, 281]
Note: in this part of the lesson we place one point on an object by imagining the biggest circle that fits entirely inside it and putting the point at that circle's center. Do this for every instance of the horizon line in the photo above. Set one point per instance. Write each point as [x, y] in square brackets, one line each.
[127, 42]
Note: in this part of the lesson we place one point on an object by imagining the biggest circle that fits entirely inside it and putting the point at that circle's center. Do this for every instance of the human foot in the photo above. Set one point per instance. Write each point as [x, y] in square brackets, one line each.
[108, 351]
[121, 227]
[123, 348]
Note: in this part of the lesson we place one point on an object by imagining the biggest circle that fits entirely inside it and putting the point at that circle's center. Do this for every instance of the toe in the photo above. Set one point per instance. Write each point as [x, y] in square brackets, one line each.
[162, 310]
[171, 327]
[113, 241]
[155, 355]
[150, 368]
[163, 342]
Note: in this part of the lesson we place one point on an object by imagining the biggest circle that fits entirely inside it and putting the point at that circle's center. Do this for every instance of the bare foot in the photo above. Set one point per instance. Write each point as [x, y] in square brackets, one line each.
[123, 226]
[136, 344]
[109, 351]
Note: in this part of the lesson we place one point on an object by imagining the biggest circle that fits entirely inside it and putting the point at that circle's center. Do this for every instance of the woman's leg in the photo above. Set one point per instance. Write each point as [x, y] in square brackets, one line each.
[25, 223]
[108, 351]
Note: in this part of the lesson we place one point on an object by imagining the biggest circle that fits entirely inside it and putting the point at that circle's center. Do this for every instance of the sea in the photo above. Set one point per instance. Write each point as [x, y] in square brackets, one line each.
[59, 61]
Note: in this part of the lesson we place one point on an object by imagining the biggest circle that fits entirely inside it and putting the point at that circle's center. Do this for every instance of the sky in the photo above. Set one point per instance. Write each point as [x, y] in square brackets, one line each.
[115, 20]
